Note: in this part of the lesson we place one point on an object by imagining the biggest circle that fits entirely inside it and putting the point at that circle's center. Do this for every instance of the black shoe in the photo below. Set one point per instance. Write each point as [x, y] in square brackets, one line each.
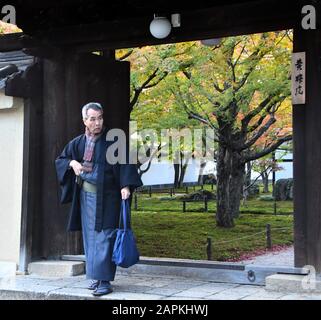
[103, 288]
[93, 285]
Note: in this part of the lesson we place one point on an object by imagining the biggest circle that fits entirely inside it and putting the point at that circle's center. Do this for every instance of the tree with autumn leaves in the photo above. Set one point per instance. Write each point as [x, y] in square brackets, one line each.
[8, 28]
[240, 89]
[151, 103]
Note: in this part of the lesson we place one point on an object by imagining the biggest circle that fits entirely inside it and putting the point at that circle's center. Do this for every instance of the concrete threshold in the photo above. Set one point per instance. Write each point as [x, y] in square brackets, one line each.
[224, 272]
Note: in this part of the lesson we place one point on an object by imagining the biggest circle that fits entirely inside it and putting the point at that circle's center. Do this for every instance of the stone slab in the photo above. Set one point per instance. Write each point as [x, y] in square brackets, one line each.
[56, 268]
[7, 269]
[293, 283]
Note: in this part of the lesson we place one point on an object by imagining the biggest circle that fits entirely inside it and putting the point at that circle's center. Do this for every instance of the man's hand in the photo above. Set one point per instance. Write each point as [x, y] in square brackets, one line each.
[76, 166]
[125, 193]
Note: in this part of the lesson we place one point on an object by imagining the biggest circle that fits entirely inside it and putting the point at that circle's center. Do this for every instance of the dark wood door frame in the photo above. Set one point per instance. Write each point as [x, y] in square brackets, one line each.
[233, 20]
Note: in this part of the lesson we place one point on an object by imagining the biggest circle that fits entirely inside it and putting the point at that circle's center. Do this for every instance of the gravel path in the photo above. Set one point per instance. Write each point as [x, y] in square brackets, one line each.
[284, 257]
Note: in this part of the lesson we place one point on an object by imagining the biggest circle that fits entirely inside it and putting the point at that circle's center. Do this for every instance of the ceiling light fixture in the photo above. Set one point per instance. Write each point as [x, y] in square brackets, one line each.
[161, 27]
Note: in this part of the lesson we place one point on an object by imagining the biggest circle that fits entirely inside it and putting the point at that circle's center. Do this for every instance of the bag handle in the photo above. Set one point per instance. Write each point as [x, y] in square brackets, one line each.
[124, 219]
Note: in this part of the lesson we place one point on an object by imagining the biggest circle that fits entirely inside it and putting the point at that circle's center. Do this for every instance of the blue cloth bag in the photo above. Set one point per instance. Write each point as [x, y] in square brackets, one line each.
[125, 252]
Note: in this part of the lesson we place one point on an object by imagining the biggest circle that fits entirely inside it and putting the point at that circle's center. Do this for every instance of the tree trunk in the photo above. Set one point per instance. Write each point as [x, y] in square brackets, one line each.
[177, 169]
[236, 189]
[230, 176]
[183, 168]
[200, 174]
[182, 175]
[265, 180]
[176, 174]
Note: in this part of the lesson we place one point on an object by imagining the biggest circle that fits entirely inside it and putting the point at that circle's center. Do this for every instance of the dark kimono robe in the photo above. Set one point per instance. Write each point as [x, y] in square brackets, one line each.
[111, 179]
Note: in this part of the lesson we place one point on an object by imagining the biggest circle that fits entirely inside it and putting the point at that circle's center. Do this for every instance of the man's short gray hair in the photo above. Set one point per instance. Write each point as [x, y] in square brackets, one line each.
[91, 105]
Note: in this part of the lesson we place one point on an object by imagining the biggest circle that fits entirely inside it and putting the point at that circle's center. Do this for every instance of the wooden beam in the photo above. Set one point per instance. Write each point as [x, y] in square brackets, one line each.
[49, 14]
[46, 52]
[30, 44]
[31, 179]
[228, 20]
[219, 21]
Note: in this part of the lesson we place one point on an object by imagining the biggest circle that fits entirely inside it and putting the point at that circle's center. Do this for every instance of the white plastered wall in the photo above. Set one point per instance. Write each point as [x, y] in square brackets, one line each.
[11, 160]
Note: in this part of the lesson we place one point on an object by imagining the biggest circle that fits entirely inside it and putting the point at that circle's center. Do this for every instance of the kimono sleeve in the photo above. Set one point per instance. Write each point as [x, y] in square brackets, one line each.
[65, 175]
[129, 176]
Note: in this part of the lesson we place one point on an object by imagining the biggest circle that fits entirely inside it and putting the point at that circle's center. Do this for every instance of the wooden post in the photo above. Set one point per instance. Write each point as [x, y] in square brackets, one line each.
[274, 207]
[171, 191]
[273, 183]
[268, 237]
[150, 192]
[184, 206]
[186, 189]
[273, 173]
[307, 154]
[31, 181]
[205, 203]
[209, 249]
[135, 201]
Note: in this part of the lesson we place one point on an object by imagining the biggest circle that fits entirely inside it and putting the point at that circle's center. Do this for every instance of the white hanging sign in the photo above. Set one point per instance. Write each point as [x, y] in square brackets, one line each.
[298, 78]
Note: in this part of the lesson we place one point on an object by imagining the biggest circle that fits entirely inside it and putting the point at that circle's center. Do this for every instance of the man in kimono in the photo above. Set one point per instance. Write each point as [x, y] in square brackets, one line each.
[95, 189]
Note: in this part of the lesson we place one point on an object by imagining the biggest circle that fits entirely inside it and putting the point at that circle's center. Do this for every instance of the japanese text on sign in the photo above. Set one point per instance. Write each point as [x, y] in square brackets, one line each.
[298, 78]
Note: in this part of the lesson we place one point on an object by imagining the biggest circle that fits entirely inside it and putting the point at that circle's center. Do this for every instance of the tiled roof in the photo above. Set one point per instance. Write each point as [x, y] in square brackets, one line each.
[18, 58]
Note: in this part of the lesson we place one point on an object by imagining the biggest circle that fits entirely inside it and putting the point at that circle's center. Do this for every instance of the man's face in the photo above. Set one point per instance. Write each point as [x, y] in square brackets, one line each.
[94, 121]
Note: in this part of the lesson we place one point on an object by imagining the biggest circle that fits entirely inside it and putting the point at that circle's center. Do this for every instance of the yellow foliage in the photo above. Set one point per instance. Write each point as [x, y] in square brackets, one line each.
[6, 28]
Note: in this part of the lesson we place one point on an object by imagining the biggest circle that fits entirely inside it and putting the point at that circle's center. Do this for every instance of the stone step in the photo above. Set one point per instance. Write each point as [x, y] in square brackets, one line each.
[7, 269]
[56, 268]
[293, 283]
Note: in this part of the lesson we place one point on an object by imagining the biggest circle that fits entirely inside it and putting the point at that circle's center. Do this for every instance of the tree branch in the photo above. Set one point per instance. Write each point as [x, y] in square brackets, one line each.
[216, 86]
[260, 120]
[126, 55]
[157, 81]
[152, 156]
[254, 58]
[239, 57]
[268, 103]
[140, 89]
[258, 134]
[191, 114]
[257, 178]
[206, 115]
[135, 99]
[257, 155]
